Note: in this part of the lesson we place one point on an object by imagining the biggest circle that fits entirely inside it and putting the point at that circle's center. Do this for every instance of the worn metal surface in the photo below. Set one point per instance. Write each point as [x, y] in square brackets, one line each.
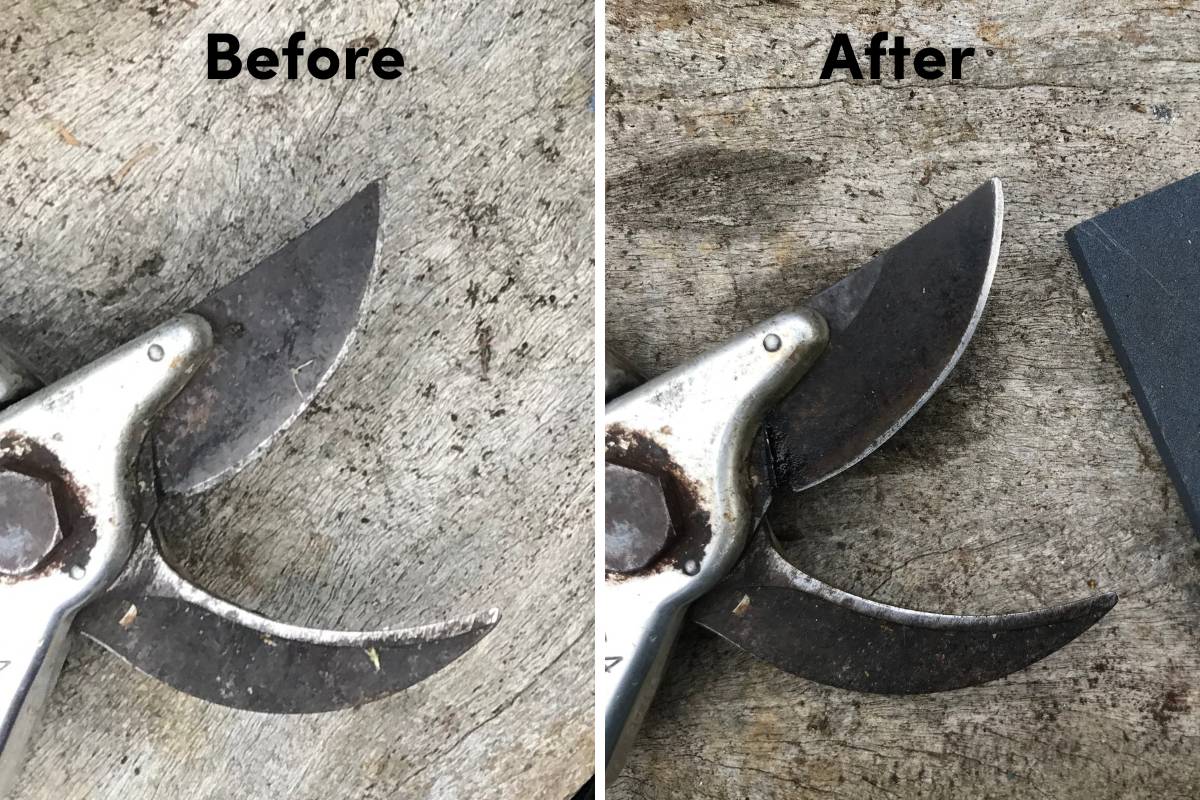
[446, 464]
[279, 331]
[296, 309]
[740, 184]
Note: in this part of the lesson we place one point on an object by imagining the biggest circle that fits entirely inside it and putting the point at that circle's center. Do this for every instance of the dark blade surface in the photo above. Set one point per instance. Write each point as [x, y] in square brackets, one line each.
[172, 630]
[897, 325]
[280, 330]
[1141, 264]
[801, 625]
[212, 658]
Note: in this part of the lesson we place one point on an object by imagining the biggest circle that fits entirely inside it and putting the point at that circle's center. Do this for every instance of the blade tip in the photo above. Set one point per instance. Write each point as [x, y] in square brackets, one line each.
[374, 192]
[369, 199]
[1105, 602]
[1087, 613]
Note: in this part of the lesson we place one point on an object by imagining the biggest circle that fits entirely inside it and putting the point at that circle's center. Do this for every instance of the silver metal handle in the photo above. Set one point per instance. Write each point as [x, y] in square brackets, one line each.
[630, 683]
[87, 429]
[33, 648]
[696, 423]
[32, 651]
[631, 679]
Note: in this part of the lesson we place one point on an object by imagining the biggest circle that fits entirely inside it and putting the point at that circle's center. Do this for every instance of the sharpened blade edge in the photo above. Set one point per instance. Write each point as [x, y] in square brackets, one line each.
[968, 333]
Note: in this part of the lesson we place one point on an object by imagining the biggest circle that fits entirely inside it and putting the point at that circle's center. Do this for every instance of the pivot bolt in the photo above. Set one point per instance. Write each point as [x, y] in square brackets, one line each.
[29, 526]
[637, 522]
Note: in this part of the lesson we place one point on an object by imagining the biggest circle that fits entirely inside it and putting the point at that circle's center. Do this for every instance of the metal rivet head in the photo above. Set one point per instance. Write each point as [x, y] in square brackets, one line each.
[155, 352]
[691, 566]
[772, 342]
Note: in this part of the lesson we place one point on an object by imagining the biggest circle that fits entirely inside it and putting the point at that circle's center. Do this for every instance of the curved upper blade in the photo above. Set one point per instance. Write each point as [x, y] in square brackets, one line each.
[897, 327]
[211, 649]
[280, 330]
[806, 627]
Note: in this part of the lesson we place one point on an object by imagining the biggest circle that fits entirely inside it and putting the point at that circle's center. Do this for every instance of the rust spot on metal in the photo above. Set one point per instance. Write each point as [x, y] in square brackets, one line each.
[22, 454]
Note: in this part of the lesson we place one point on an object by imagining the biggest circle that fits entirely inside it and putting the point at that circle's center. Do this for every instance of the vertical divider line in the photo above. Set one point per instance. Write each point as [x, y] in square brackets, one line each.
[598, 324]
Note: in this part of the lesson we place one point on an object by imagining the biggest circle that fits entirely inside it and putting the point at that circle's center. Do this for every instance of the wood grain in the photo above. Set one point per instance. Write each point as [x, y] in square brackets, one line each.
[738, 184]
[446, 468]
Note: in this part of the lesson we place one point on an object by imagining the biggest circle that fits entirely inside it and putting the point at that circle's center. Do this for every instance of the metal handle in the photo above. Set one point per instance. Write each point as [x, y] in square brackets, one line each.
[88, 427]
[694, 424]
[32, 651]
[630, 683]
[632, 679]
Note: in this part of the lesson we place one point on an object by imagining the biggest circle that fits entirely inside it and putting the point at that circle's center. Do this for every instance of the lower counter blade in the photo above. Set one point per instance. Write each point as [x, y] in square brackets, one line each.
[806, 627]
[209, 648]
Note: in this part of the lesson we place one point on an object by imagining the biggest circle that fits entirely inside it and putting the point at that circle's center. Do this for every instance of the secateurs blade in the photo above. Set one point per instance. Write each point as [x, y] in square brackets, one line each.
[694, 456]
[86, 462]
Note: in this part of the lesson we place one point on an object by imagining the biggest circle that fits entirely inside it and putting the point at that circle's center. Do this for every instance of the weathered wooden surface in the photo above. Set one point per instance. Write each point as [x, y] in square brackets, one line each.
[738, 181]
[446, 468]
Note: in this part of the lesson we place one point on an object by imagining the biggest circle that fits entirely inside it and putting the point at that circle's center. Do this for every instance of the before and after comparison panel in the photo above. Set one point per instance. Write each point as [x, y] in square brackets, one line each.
[646, 400]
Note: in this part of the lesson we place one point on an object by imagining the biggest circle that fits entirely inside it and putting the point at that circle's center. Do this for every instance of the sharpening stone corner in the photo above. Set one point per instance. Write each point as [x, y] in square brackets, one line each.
[1141, 263]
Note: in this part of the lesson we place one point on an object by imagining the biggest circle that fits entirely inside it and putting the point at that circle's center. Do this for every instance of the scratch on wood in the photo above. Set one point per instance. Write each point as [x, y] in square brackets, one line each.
[63, 132]
[141, 154]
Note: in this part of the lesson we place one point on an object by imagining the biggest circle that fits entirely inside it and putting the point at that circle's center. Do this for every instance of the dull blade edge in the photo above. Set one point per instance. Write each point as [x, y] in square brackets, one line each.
[282, 329]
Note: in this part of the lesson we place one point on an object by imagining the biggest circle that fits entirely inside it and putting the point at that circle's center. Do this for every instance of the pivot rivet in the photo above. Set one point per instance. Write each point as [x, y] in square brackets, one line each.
[637, 520]
[29, 528]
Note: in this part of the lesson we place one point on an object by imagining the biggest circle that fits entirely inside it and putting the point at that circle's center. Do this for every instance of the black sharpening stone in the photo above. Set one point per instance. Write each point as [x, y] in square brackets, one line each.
[1141, 263]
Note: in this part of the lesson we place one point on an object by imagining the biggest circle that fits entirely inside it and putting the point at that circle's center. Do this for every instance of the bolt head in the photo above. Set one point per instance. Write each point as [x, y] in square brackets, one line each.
[29, 525]
[637, 521]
